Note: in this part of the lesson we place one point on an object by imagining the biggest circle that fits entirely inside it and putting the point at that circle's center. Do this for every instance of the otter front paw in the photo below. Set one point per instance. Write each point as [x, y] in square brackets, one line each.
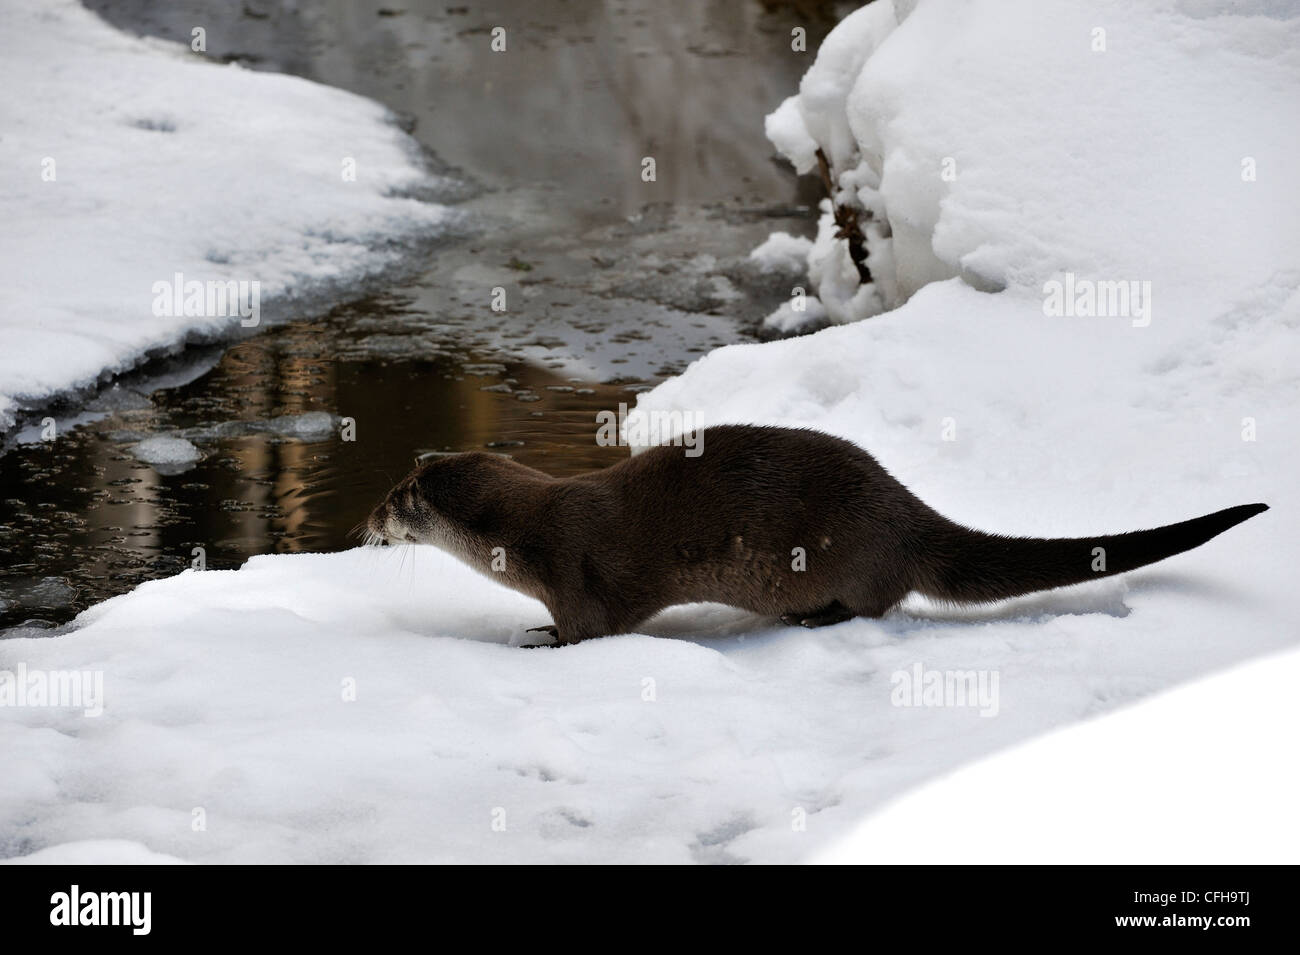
[549, 628]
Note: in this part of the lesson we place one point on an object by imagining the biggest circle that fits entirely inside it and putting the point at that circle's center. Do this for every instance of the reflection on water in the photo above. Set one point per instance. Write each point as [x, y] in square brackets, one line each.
[83, 519]
[583, 91]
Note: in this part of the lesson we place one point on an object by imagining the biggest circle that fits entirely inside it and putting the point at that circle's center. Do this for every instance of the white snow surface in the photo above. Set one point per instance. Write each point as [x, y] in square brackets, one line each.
[95, 852]
[164, 163]
[787, 318]
[783, 252]
[1169, 779]
[717, 736]
[1031, 152]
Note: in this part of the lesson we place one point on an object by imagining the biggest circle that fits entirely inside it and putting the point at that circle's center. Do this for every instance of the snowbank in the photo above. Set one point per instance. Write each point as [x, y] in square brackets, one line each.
[96, 852]
[363, 707]
[1010, 141]
[131, 162]
[1193, 777]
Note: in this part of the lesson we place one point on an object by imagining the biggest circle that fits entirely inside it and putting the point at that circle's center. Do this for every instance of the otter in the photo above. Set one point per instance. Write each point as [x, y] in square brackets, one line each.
[783, 522]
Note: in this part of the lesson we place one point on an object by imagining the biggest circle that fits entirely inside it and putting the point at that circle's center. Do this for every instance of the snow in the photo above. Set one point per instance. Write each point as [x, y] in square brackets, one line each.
[448, 725]
[369, 707]
[96, 852]
[782, 252]
[1126, 163]
[1099, 793]
[788, 318]
[164, 164]
[817, 116]
[786, 254]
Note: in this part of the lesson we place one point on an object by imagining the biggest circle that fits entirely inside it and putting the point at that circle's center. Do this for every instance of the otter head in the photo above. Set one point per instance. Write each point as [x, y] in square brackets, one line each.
[455, 502]
[402, 517]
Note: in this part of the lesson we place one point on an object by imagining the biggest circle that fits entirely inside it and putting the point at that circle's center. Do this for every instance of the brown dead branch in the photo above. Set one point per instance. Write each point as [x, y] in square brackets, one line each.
[847, 222]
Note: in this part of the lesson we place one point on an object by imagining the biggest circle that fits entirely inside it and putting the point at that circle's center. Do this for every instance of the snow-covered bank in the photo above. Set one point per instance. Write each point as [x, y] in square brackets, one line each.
[1010, 141]
[1193, 777]
[130, 161]
[362, 707]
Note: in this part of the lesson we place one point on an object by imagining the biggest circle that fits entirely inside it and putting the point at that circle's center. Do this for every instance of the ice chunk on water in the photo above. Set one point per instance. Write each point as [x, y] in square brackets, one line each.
[118, 398]
[311, 424]
[168, 455]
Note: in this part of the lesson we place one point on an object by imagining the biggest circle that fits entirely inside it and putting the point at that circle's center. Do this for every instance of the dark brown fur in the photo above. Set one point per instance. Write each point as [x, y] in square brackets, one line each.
[606, 550]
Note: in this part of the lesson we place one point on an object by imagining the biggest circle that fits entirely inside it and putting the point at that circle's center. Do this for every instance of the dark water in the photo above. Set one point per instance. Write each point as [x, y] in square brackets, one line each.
[615, 283]
[583, 91]
[86, 514]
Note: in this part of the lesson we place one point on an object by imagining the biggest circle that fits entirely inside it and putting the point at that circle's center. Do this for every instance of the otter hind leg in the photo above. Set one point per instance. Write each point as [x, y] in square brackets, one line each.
[877, 605]
[831, 614]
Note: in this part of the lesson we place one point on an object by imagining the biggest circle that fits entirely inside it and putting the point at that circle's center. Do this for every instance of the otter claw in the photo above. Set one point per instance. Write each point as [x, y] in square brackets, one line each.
[551, 629]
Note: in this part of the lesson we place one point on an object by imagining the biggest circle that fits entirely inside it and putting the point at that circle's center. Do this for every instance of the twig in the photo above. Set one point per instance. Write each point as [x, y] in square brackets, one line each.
[847, 222]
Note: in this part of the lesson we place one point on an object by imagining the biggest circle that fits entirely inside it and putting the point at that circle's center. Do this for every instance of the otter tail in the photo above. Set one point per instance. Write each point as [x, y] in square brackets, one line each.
[969, 566]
